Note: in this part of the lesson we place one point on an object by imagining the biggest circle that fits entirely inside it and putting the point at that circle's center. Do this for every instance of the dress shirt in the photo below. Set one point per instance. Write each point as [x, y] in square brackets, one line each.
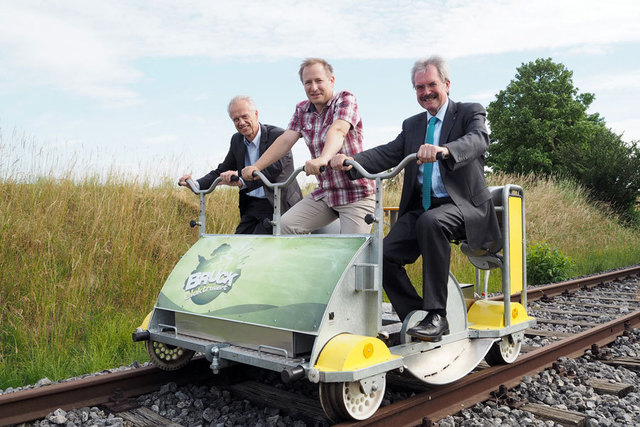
[251, 157]
[437, 186]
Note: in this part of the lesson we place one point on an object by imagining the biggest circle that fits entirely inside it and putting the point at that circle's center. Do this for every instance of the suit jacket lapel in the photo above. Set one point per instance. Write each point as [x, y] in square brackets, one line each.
[240, 149]
[263, 139]
[418, 132]
[447, 124]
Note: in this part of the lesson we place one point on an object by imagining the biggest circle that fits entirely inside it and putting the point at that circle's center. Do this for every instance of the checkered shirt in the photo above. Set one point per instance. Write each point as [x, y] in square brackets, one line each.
[334, 186]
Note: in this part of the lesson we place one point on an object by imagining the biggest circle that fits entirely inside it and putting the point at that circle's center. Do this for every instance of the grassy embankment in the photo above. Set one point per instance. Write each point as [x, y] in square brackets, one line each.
[81, 261]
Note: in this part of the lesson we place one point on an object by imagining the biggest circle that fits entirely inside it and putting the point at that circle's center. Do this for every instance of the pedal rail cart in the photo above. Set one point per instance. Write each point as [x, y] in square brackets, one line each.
[311, 307]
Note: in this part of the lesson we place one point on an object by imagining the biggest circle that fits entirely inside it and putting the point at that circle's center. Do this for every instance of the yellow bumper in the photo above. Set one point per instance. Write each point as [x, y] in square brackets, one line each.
[490, 315]
[346, 352]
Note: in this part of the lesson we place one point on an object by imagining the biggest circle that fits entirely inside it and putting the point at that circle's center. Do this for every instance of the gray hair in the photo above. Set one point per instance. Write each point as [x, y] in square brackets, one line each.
[245, 98]
[421, 66]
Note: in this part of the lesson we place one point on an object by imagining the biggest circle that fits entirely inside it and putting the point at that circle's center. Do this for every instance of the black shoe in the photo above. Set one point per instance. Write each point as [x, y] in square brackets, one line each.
[431, 328]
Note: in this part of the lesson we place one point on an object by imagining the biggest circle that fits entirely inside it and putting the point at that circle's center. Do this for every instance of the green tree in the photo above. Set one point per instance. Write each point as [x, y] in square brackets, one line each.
[539, 111]
[539, 124]
[609, 168]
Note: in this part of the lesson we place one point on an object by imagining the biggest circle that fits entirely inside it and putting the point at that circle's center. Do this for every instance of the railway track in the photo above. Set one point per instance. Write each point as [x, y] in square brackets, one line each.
[116, 391]
[432, 405]
[113, 389]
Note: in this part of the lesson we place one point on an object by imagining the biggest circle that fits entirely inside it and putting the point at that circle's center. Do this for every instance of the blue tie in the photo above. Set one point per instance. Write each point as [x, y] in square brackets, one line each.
[427, 168]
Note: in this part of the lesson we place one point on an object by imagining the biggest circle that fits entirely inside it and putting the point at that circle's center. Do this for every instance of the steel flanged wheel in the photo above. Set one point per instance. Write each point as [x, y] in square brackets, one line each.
[168, 357]
[346, 400]
[505, 351]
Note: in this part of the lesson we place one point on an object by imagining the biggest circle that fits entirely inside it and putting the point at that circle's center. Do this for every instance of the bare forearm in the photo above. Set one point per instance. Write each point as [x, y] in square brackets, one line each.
[333, 143]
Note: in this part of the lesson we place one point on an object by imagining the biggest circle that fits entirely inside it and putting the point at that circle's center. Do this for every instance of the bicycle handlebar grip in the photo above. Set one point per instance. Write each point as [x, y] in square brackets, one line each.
[322, 169]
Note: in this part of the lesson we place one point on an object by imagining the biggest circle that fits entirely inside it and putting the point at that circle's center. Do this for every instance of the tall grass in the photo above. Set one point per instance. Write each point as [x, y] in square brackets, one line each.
[83, 258]
[560, 213]
[80, 262]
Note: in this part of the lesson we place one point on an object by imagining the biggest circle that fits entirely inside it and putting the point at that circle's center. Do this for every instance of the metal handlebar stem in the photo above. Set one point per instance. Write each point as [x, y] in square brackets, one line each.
[202, 217]
[277, 186]
[378, 223]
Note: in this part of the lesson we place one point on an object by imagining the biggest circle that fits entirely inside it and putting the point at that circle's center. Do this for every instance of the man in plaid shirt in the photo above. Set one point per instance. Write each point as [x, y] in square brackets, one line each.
[330, 124]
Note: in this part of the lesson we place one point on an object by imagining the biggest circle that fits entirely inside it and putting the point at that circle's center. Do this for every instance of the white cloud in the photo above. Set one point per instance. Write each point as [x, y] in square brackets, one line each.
[485, 97]
[47, 46]
[630, 129]
[377, 135]
[160, 139]
[624, 80]
[91, 48]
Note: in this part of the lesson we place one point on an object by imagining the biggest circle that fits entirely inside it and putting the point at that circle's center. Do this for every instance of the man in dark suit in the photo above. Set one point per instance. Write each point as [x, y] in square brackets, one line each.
[455, 204]
[252, 139]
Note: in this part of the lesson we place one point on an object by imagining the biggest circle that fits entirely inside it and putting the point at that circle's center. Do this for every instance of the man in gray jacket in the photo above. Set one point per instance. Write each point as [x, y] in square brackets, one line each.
[441, 200]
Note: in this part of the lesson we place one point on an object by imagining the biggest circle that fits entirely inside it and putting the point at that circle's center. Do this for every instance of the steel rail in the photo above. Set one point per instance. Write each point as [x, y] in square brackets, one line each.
[27, 405]
[31, 404]
[436, 404]
[575, 284]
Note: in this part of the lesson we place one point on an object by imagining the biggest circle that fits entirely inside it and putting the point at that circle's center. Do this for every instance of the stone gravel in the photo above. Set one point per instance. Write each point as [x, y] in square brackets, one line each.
[565, 386]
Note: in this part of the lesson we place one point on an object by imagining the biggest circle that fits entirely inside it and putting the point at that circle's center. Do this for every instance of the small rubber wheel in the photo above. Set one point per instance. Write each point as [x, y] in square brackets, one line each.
[346, 401]
[168, 357]
[505, 351]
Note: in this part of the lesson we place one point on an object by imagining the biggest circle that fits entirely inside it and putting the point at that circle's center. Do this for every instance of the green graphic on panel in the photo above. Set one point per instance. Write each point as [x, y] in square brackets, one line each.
[283, 282]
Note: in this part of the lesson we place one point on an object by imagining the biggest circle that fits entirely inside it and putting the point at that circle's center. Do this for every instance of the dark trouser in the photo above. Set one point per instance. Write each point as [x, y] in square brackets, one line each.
[421, 233]
[253, 216]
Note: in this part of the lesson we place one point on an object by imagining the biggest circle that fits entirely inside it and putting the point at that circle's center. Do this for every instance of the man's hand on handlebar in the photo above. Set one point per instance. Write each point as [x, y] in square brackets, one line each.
[427, 153]
[315, 166]
[226, 178]
[183, 180]
[337, 162]
[247, 173]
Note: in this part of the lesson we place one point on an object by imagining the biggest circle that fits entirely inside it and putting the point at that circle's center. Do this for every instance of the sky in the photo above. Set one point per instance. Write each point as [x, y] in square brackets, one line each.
[142, 87]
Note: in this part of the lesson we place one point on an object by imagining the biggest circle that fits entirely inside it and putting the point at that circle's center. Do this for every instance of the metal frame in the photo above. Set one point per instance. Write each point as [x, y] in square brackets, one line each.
[358, 290]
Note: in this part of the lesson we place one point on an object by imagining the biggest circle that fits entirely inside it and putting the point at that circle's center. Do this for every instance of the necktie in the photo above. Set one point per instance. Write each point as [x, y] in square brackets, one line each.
[427, 168]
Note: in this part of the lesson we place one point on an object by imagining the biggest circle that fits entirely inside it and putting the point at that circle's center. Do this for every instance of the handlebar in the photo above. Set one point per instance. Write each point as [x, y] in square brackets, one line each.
[386, 175]
[297, 171]
[278, 185]
[194, 189]
[286, 183]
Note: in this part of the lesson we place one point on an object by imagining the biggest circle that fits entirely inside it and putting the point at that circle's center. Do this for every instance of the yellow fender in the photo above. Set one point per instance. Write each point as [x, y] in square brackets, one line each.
[145, 322]
[485, 314]
[347, 352]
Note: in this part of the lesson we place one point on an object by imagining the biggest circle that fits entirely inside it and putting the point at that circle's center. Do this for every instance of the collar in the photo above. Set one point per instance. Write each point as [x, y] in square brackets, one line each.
[312, 108]
[255, 140]
[441, 112]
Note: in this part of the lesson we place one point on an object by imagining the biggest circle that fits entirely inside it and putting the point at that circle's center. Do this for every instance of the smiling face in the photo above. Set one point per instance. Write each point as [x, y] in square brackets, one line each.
[431, 91]
[245, 119]
[318, 85]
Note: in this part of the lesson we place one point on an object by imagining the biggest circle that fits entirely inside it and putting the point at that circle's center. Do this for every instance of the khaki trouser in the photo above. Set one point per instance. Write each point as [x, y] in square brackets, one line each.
[309, 215]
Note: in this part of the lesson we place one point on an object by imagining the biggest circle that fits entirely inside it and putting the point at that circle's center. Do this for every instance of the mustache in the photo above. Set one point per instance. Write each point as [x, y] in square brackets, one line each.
[428, 97]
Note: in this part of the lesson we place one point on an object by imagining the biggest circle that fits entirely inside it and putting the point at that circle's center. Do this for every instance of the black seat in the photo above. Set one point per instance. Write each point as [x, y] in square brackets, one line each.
[481, 258]
[487, 258]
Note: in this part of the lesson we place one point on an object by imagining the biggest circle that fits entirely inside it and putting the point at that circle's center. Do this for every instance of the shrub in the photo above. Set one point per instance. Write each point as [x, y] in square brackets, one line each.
[546, 264]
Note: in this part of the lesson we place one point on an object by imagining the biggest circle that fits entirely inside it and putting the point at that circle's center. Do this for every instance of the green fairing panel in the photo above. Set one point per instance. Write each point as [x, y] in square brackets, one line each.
[282, 282]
